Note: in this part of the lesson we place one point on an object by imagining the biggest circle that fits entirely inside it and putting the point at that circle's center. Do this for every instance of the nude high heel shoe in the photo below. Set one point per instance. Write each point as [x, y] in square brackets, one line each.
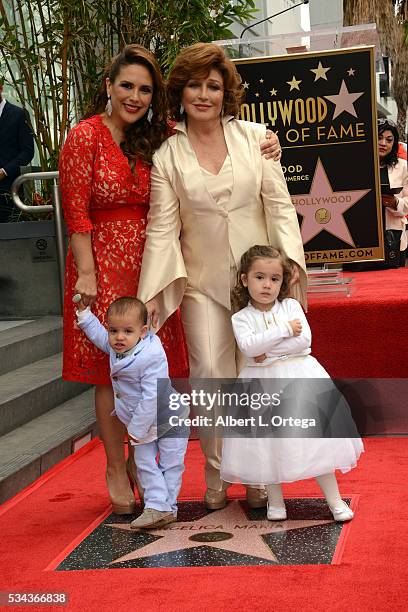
[121, 505]
[132, 472]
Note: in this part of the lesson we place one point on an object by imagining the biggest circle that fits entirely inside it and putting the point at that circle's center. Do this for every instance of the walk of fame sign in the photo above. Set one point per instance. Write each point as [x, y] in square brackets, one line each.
[323, 107]
[235, 535]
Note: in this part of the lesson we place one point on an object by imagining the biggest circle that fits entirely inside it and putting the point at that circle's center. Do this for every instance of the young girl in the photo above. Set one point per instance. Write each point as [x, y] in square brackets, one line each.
[272, 332]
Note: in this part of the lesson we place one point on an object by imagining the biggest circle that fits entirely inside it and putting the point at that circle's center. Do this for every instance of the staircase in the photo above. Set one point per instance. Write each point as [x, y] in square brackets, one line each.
[42, 417]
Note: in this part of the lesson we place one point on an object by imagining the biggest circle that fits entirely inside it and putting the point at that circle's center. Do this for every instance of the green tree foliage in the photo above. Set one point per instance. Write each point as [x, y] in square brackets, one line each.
[53, 52]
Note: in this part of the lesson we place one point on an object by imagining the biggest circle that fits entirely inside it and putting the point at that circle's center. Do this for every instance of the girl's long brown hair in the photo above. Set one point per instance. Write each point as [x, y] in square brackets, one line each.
[240, 294]
[142, 138]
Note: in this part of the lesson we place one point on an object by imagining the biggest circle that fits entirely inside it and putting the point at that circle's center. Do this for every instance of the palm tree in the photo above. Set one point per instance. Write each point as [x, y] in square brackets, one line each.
[391, 17]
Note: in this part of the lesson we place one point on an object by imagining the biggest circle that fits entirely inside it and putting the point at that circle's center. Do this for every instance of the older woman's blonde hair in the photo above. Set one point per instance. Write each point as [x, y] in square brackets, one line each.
[196, 62]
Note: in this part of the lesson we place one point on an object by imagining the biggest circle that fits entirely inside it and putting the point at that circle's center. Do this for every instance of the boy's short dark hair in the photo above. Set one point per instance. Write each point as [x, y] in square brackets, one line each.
[123, 305]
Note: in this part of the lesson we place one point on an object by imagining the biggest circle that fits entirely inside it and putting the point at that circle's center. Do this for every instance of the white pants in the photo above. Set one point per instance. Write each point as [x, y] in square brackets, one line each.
[161, 480]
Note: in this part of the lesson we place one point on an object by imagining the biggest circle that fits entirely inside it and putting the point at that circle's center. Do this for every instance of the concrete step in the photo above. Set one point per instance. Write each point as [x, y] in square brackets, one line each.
[32, 449]
[32, 390]
[23, 344]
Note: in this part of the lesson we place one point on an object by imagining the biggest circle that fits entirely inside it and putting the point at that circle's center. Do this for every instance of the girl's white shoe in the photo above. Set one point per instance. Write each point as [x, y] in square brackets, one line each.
[342, 513]
[275, 513]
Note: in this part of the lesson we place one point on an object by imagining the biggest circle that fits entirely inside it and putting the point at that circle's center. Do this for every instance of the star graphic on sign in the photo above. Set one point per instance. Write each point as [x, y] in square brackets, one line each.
[351, 72]
[320, 72]
[228, 529]
[257, 95]
[344, 101]
[261, 80]
[273, 92]
[324, 208]
[245, 85]
[294, 84]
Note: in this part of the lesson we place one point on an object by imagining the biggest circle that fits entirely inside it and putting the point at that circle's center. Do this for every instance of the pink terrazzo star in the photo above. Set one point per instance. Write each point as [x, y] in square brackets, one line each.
[322, 208]
[245, 534]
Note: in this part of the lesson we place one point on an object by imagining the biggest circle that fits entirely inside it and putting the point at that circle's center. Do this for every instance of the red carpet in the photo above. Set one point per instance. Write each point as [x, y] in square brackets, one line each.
[43, 520]
[364, 335]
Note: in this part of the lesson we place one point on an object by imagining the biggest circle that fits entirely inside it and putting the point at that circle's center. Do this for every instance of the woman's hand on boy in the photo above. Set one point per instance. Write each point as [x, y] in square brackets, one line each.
[86, 287]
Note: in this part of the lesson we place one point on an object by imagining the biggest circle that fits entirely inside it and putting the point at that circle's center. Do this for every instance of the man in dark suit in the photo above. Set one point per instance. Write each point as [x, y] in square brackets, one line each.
[16, 149]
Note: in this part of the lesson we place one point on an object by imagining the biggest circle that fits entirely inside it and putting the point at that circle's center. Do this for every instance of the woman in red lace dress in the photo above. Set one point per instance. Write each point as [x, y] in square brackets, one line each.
[105, 185]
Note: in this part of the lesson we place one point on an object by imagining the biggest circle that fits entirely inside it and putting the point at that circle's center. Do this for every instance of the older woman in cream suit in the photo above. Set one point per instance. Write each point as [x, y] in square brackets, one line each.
[213, 196]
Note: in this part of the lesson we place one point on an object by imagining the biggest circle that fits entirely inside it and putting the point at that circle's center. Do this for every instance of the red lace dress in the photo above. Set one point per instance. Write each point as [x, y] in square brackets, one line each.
[95, 177]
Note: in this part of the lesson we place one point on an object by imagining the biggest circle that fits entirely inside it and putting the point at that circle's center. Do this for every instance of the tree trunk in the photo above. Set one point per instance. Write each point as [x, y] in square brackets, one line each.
[391, 30]
[402, 121]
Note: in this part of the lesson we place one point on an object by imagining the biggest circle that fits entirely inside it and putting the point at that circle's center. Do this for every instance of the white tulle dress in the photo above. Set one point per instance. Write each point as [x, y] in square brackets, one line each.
[276, 460]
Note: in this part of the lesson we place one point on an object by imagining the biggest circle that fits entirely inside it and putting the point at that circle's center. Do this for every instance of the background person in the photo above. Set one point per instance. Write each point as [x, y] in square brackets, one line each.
[16, 149]
[213, 196]
[393, 173]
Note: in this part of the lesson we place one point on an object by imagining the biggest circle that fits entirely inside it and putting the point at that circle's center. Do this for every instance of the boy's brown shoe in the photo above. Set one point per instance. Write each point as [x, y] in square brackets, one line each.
[151, 519]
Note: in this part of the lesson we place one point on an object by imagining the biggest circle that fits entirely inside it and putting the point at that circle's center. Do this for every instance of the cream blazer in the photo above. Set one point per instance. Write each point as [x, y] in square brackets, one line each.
[395, 219]
[189, 237]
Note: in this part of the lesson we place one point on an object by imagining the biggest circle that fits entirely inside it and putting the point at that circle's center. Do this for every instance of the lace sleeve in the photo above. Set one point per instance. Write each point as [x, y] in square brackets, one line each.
[75, 176]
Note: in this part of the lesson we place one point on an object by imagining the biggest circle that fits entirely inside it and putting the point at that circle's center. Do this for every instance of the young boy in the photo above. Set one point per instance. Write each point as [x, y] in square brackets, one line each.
[139, 367]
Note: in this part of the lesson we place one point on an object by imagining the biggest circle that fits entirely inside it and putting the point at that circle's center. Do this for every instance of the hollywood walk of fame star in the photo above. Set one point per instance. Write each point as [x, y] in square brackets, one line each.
[323, 205]
[351, 72]
[344, 101]
[240, 534]
[245, 85]
[273, 92]
[294, 83]
[320, 72]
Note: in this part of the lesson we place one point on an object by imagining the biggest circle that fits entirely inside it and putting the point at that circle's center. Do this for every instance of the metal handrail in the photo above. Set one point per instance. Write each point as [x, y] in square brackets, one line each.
[58, 218]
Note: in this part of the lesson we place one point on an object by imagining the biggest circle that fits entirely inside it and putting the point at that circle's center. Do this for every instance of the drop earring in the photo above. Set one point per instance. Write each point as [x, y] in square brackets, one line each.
[150, 114]
[108, 107]
[181, 109]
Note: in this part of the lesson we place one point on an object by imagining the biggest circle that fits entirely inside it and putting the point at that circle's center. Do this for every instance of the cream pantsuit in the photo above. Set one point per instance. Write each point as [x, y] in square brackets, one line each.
[194, 243]
[212, 354]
